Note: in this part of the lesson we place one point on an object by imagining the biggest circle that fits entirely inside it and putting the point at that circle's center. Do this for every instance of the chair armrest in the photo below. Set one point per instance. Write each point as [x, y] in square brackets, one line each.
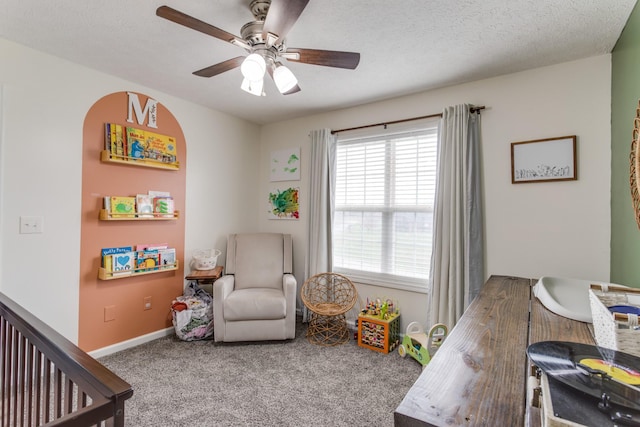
[221, 290]
[223, 287]
[289, 284]
[290, 288]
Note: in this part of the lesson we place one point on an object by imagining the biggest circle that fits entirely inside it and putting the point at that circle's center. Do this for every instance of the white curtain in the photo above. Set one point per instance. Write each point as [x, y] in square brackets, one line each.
[457, 260]
[321, 186]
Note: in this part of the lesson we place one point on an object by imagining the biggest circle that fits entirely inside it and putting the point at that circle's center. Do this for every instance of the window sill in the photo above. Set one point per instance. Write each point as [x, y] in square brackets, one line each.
[384, 282]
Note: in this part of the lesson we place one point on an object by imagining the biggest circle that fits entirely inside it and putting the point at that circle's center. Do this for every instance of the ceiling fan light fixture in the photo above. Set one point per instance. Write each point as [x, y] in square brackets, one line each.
[254, 87]
[253, 67]
[284, 78]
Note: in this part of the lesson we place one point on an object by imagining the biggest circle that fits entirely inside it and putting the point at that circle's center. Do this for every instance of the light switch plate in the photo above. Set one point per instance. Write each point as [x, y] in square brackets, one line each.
[31, 224]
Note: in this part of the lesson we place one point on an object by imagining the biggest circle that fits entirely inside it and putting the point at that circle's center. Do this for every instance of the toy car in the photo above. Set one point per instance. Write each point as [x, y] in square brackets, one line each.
[422, 346]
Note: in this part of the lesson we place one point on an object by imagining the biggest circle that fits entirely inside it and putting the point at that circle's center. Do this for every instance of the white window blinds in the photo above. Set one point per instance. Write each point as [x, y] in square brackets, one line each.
[383, 206]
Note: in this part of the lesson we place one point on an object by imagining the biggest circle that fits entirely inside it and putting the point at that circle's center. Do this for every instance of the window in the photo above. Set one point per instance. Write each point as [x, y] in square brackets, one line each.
[383, 207]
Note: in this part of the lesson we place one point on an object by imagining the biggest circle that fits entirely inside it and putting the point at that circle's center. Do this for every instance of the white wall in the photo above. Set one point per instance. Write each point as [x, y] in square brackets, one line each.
[532, 229]
[557, 228]
[45, 100]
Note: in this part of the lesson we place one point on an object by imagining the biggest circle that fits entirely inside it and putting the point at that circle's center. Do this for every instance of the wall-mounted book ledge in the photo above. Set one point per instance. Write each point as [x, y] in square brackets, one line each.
[109, 157]
[104, 274]
[147, 216]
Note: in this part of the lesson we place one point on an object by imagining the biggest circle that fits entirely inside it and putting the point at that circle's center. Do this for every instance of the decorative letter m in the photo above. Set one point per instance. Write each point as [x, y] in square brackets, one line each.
[150, 108]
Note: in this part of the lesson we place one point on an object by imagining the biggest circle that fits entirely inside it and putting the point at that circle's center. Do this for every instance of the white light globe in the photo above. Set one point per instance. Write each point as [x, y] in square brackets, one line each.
[254, 87]
[284, 79]
[253, 67]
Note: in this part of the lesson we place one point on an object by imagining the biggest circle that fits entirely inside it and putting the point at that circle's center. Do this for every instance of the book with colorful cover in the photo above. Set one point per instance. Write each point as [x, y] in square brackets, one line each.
[119, 141]
[123, 206]
[136, 143]
[147, 260]
[167, 257]
[122, 263]
[161, 148]
[107, 137]
[151, 246]
[109, 253]
[144, 205]
[163, 206]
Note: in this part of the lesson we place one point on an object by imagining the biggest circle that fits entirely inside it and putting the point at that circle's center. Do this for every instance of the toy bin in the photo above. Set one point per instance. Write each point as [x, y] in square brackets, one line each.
[381, 335]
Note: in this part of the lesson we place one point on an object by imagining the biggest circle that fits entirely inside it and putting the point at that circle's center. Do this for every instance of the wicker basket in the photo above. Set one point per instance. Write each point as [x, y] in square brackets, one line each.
[617, 331]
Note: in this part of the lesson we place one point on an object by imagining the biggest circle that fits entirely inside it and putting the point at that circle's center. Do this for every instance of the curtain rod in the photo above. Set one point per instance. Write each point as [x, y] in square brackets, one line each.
[472, 109]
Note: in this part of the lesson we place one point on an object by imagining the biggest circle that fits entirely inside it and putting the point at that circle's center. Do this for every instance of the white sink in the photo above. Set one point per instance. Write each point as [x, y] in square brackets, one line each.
[566, 297]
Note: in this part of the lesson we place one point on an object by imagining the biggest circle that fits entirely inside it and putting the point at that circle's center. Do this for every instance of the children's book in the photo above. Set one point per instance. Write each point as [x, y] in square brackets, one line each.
[156, 193]
[107, 263]
[161, 148]
[109, 256]
[107, 137]
[123, 206]
[163, 206]
[151, 246]
[119, 141]
[167, 257]
[136, 143]
[122, 263]
[147, 260]
[144, 205]
[118, 250]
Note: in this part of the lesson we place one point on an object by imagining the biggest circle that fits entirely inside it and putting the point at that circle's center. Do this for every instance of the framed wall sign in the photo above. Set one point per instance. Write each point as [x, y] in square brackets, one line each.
[551, 159]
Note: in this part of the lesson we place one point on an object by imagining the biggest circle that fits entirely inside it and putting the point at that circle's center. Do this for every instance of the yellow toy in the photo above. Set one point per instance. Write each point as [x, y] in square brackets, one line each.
[419, 345]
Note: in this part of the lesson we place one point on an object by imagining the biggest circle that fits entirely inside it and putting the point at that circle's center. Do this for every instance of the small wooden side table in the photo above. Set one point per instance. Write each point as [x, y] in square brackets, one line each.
[205, 278]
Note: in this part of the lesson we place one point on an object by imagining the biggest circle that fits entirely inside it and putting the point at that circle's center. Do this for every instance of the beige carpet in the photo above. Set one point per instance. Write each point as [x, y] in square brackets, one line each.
[291, 383]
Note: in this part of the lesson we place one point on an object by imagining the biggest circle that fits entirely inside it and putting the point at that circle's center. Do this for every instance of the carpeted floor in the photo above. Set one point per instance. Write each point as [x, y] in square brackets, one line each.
[292, 383]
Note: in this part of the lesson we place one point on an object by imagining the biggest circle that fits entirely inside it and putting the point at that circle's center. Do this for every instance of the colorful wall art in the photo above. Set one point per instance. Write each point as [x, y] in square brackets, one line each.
[285, 165]
[283, 204]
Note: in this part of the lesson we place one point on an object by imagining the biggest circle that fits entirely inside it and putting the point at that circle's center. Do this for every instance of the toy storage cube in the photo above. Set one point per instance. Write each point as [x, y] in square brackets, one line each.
[377, 334]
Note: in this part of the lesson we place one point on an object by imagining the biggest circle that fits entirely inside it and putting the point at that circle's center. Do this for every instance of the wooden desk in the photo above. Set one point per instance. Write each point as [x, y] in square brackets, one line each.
[479, 375]
[205, 278]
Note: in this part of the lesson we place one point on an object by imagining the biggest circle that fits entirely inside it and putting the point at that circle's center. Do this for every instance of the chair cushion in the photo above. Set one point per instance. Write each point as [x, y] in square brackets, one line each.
[255, 304]
[259, 260]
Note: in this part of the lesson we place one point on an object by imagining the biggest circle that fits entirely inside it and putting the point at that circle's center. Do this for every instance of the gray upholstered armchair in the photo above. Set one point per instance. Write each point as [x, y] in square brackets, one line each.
[256, 298]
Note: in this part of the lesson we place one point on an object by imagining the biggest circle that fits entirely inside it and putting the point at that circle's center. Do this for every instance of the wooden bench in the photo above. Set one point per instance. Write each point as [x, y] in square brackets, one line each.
[479, 375]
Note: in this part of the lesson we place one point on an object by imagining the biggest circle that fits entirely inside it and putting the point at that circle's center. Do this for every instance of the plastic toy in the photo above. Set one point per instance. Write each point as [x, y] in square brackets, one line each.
[419, 345]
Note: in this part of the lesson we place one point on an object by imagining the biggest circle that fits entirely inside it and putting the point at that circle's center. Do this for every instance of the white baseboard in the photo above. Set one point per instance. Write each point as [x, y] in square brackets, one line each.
[114, 348]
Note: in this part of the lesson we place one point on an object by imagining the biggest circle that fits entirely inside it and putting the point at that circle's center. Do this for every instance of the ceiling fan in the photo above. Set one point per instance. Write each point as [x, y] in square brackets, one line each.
[264, 40]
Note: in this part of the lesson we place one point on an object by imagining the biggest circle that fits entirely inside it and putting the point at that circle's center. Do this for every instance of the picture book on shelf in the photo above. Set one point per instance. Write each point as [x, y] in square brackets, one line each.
[151, 246]
[167, 257]
[144, 205]
[123, 206]
[110, 260]
[151, 146]
[122, 263]
[163, 206]
[107, 137]
[161, 148]
[147, 260]
[136, 144]
[119, 142]
[118, 250]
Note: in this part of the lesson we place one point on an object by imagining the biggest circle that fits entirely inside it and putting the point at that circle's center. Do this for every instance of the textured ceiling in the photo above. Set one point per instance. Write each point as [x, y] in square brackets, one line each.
[406, 46]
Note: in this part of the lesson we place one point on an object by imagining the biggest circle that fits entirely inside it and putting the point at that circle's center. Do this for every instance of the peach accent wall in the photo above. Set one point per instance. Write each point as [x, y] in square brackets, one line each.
[126, 295]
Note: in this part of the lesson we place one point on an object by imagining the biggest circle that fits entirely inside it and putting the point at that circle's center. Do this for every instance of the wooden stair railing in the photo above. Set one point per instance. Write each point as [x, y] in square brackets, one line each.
[46, 380]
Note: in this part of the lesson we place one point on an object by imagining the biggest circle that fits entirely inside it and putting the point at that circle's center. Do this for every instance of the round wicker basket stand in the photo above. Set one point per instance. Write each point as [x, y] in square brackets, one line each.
[328, 296]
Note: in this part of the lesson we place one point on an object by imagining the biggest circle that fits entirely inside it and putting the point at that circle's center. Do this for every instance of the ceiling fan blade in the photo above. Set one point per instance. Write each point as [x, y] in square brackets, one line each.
[190, 22]
[328, 58]
[221, 67]
[281, 16]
